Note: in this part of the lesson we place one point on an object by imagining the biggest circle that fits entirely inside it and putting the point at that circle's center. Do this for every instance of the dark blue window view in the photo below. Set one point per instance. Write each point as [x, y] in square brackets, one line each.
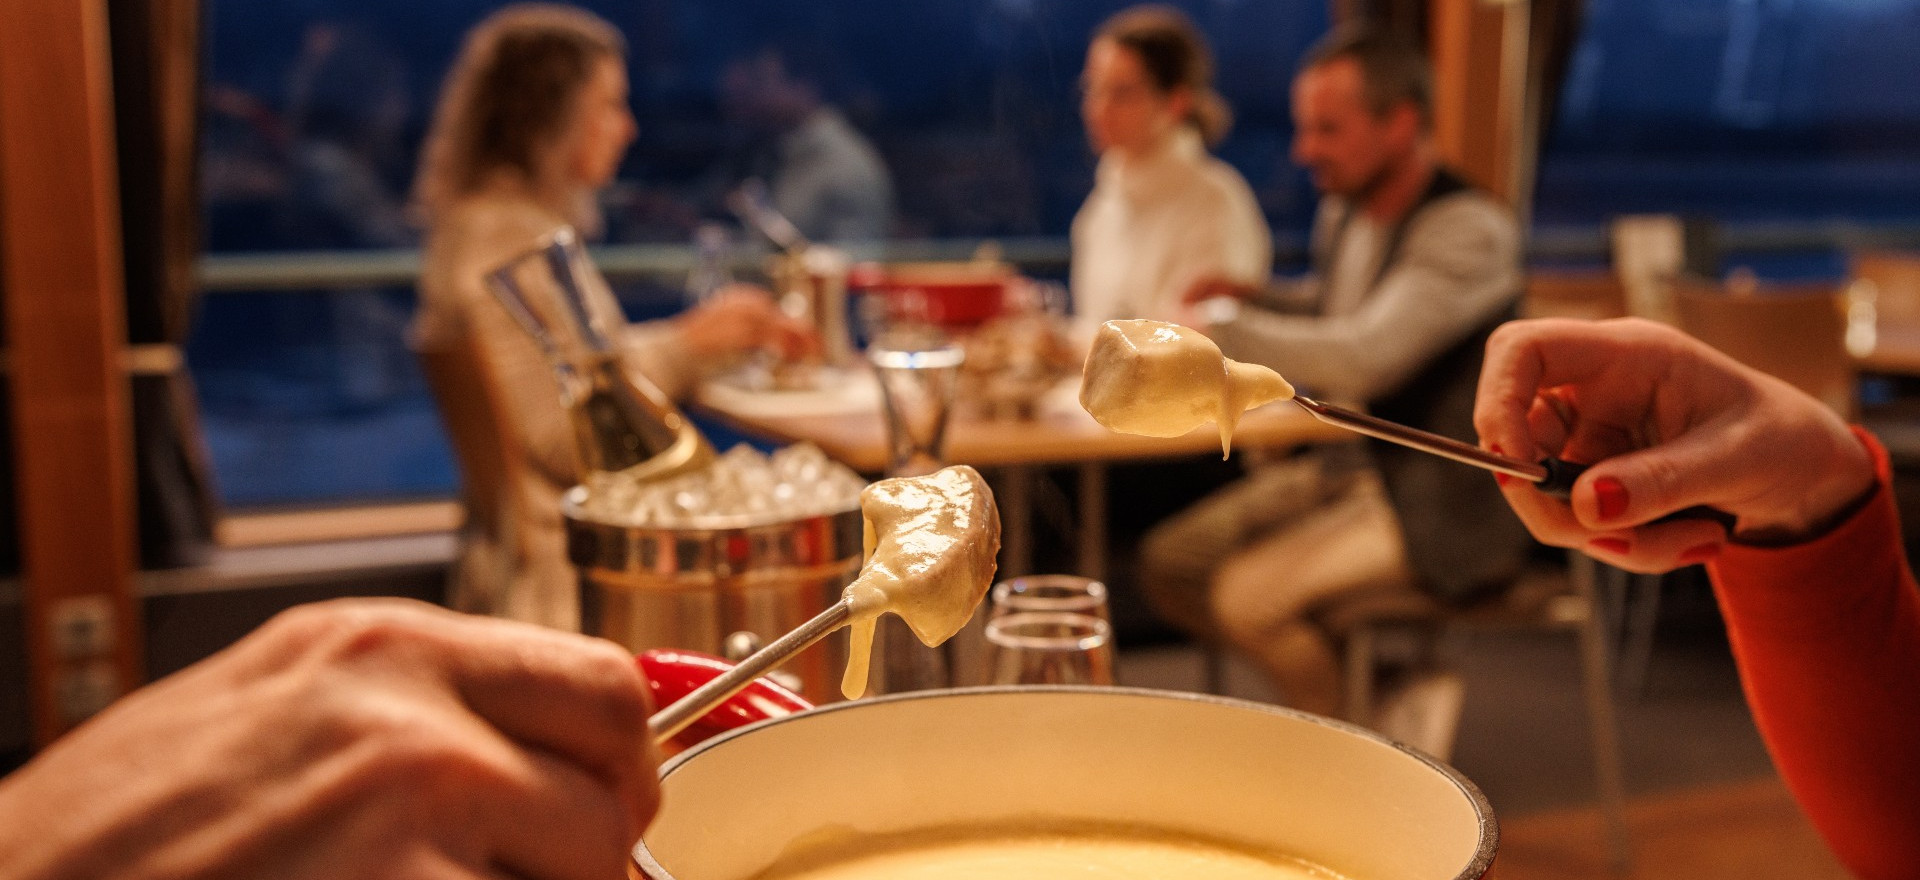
[315, 112]
[1797, 116]
[1786, 114]
[316, 109]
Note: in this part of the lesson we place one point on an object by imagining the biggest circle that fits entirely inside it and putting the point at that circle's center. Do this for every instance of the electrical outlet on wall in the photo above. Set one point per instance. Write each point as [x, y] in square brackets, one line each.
[82, 627]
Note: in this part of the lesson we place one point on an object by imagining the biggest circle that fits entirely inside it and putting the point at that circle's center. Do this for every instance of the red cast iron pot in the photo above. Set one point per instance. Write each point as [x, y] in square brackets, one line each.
[673, 673]
[953, 295]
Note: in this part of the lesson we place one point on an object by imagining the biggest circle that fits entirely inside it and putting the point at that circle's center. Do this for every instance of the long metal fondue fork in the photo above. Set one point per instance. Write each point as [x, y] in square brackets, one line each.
[1551, 476]
[684, 711]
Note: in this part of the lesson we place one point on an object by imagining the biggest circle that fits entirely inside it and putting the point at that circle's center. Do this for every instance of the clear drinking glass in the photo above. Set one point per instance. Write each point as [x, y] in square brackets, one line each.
[916, 389]
[918, 374]
[1049, 592]
[1049, 647]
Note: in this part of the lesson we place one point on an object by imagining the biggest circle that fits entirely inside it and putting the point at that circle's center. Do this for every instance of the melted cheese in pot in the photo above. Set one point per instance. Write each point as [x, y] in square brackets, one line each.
[1163, 380]
[931, 544]
[1046, 854]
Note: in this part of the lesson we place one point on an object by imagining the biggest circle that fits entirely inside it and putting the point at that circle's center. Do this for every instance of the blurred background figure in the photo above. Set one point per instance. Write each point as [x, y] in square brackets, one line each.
[820, 171]
[351, 117]
[351, 113]
[1412, 268]
[1163, 212]
[243, 166]
[532, 122]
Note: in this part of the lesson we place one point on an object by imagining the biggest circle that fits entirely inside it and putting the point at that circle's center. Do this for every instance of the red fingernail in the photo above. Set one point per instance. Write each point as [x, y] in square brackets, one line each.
[1612, 495]
[1611, 545]
[1700, 554]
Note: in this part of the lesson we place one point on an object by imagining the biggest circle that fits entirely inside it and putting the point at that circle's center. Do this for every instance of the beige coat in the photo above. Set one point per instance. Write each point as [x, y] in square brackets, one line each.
[502, 407]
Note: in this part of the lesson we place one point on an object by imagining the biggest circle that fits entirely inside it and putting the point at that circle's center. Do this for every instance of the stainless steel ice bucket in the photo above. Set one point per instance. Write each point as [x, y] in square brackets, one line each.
[694, 588]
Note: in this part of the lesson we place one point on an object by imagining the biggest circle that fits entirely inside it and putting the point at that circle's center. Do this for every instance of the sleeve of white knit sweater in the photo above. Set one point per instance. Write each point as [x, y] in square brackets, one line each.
[1457, 266]
[1222, 235]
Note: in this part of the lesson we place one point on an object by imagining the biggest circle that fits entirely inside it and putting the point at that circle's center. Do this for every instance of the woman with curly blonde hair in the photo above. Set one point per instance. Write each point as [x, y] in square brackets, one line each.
[532, 122]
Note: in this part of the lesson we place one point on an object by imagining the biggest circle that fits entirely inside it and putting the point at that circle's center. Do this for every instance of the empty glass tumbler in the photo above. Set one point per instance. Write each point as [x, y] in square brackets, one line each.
[1049, 647]
[916, 389]
[1049, 592]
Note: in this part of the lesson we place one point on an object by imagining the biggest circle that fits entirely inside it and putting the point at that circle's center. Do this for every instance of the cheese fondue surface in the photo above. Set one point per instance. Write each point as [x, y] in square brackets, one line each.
[1048, 854]
[931, 548]
[1162, 380]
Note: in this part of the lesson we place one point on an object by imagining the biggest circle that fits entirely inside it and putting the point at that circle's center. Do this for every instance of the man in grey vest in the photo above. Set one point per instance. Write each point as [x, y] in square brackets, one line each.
[1411, 269]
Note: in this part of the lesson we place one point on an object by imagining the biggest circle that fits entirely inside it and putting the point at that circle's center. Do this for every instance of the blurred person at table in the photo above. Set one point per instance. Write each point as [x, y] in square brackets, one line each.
[1412, 267]
[350, 112]
[355, 738]
[1819, 600]
[532, 121]
[1163, 211]
[821, 173]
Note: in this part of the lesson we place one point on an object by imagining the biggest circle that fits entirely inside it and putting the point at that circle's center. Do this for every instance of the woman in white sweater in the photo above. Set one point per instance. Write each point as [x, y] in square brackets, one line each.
[532, 122]
[1163, 212]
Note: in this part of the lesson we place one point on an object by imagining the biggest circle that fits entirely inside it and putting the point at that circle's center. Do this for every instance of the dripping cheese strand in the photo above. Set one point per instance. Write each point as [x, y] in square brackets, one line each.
[931, 545]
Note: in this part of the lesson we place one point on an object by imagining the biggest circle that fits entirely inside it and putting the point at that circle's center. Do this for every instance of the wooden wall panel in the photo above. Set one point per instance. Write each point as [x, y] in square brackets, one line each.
[1475, 110]
[62, 283]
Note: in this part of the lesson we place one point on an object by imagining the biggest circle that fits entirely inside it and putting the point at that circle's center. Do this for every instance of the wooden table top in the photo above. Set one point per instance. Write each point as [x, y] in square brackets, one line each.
[1060, 433]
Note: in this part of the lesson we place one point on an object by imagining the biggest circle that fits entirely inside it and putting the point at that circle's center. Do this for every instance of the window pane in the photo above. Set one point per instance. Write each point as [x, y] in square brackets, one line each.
[312, 397]
[1744, 111]
[315, 111]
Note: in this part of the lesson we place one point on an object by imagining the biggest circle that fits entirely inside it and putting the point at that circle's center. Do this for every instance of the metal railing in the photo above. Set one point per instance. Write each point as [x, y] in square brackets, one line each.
[309, 270]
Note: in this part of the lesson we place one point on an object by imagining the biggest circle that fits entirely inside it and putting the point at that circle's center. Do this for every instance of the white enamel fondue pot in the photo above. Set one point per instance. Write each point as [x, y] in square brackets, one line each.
[1324, 791]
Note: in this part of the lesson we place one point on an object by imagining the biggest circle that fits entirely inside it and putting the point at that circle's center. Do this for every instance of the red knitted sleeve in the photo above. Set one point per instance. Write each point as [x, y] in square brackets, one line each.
[1827, 637]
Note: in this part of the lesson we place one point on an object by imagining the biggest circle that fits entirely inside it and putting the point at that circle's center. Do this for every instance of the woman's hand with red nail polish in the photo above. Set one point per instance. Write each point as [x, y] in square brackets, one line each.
[1665, 423]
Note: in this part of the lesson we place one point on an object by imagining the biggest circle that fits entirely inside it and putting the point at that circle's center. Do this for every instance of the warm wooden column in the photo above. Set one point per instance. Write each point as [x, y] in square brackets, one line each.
[1479, 78]
[62, 282]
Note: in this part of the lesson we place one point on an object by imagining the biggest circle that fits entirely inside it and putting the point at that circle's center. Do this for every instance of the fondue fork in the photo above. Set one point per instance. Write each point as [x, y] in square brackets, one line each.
[684, 711]
[1551, 476]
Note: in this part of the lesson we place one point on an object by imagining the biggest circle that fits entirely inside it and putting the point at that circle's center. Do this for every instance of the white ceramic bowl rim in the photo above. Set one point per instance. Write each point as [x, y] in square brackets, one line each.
[1476, 868]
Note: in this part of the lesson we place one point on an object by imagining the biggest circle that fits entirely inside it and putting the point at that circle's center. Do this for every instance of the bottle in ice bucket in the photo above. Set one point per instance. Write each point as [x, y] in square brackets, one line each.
[622, 424]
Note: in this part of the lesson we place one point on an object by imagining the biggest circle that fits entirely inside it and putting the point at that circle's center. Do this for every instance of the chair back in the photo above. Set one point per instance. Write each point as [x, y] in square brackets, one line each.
[1895, 276]
[1651, 251]
[1589, 295]
[476, 426]
[1796, 332]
